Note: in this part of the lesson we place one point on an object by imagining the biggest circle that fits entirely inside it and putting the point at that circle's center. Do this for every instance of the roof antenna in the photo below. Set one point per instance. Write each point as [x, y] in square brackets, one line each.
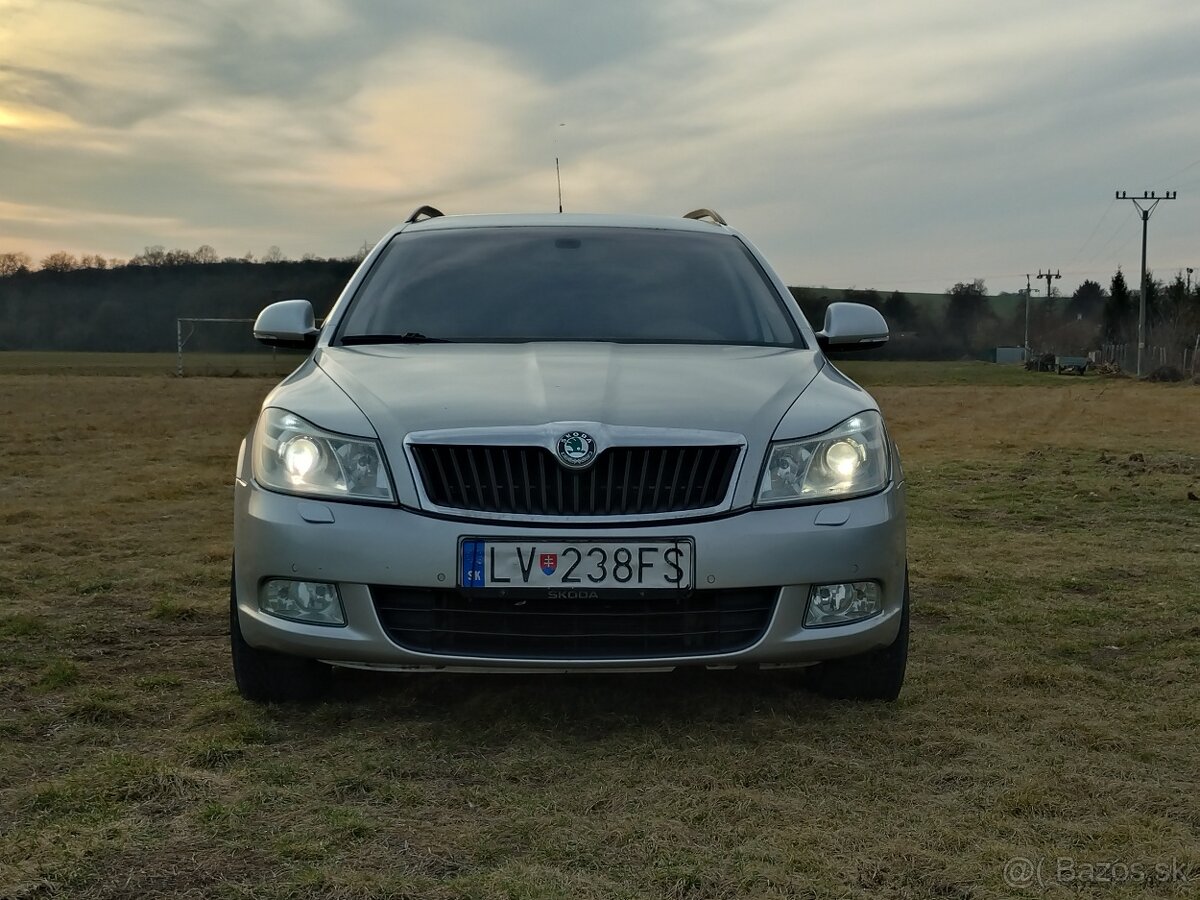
[557, 171]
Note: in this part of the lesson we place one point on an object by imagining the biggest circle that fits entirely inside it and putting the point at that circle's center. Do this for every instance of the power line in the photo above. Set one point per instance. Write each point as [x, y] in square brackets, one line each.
[1186, 168]
[1095, 257]
[1107, 210]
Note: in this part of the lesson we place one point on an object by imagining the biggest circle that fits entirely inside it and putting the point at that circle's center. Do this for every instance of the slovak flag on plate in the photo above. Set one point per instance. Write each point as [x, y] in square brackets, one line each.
[548, 562]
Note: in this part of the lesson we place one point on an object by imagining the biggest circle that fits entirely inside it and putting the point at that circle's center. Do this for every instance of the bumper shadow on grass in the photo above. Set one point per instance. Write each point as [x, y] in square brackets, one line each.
[576, 704]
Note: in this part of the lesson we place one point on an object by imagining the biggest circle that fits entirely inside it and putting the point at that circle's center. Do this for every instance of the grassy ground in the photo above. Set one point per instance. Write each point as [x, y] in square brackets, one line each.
[280, 362]
[1052, 708]
[965, 372]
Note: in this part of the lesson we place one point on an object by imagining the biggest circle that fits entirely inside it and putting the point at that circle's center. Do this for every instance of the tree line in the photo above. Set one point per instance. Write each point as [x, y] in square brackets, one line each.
[132, 305]
[19, 262]
[92, 303]
[969, 322]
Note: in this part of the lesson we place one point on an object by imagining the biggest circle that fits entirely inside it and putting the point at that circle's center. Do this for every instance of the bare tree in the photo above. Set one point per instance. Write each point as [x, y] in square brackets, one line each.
[205, 254]
[12, 263]
[273, 255]
[179, 257]
[154, 255]
[59, 262]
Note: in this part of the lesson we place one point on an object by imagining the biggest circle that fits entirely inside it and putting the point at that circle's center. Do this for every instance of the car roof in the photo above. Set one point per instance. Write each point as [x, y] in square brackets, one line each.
[550, 220]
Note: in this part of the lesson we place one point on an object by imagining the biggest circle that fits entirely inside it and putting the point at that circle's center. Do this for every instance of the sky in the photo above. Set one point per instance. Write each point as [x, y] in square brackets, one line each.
[866, 143]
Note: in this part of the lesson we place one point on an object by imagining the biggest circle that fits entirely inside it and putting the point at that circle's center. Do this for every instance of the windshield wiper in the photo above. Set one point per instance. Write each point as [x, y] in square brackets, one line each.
[409, 337]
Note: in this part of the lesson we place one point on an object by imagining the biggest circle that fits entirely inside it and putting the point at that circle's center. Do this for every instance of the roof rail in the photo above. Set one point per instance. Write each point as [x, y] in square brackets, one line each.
[429, 212]
[706, 214]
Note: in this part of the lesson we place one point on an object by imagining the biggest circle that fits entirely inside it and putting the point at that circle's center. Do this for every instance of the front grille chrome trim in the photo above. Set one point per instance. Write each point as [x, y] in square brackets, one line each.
[504, 442]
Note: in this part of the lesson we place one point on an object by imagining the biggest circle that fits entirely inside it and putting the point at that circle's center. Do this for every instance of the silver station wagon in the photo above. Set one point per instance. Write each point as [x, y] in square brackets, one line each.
[561, 443]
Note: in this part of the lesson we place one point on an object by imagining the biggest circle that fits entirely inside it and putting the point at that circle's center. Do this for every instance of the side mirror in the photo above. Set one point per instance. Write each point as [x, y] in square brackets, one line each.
[289, 324]
[852, 326]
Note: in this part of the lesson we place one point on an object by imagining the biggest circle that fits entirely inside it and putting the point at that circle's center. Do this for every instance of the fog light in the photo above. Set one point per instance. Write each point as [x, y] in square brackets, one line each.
[303, 601]
[838, 604]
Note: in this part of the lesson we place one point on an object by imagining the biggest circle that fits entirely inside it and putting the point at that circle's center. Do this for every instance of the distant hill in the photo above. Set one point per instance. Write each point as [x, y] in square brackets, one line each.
[135, 307]
[1003, 305]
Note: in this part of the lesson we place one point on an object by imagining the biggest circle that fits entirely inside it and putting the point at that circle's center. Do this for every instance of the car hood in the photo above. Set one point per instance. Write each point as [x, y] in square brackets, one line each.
[416, 388]
[409, 388]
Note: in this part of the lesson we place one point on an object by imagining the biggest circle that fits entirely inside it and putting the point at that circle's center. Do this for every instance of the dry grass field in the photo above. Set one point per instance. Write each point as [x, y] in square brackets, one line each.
[1052, 710]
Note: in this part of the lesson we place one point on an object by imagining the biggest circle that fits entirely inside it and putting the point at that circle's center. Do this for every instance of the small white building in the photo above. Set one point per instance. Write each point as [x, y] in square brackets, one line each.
[1009, 355]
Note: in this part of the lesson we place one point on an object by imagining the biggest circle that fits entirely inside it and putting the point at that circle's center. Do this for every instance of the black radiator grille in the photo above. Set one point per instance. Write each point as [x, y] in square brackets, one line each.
[530, 481]
[637, 627]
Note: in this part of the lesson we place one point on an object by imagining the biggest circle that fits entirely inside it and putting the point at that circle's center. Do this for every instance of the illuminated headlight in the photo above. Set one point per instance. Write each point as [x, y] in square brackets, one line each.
[847, 461]
[295, 456]
[302, 601]
[840, 604]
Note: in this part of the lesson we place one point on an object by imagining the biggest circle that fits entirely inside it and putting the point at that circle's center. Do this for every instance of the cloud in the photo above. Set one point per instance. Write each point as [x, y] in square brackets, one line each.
[421, 121]
[867, 142]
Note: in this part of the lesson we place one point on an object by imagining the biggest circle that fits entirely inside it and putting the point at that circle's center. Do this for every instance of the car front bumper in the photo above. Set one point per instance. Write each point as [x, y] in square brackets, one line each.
[792, 548]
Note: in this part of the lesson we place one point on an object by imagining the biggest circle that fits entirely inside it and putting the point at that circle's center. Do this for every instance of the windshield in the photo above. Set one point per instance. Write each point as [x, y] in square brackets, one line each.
[568, 284]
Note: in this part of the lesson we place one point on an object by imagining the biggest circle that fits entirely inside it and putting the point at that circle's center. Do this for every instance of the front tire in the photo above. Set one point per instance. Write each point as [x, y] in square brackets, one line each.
[877, 675]
[264, 676]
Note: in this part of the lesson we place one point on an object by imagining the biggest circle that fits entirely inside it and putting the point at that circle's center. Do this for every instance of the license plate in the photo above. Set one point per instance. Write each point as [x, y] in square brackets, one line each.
[665, 564]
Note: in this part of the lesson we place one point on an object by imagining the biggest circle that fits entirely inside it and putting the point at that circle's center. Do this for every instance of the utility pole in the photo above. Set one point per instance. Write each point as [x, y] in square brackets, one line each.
[1028, 291]
[1144, 212]
[1048, 275]
[1189, 279]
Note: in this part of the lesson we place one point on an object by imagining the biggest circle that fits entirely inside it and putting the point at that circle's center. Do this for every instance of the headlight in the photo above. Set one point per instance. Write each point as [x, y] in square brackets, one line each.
[849, 460]
[295, 456]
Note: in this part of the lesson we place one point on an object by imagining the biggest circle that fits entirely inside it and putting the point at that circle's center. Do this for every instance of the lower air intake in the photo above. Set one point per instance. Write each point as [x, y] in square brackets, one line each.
[644, 627]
